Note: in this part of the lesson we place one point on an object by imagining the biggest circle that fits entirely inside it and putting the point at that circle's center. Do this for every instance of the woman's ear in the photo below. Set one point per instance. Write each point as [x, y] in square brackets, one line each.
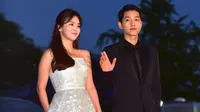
[120, 25]
[59, 28]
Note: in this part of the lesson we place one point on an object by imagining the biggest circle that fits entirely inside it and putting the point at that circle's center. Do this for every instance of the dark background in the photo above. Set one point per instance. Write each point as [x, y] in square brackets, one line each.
[172, 26]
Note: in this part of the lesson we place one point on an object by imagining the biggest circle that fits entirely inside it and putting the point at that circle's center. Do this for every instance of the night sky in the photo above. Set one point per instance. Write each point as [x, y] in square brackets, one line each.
[37, 17]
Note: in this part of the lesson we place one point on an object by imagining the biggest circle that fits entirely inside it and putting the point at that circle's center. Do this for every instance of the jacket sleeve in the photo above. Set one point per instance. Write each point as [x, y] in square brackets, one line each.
[107, 77]
[156, 85]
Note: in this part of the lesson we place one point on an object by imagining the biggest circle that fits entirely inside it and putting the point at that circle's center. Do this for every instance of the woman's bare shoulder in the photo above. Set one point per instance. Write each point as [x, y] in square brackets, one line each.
[48, 53]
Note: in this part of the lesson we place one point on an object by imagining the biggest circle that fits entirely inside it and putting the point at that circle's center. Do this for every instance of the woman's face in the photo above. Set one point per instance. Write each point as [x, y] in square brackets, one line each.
[71, 29]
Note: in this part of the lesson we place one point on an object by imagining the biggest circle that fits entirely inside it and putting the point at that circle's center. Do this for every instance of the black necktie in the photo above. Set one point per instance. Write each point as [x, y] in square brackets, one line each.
[138, 63]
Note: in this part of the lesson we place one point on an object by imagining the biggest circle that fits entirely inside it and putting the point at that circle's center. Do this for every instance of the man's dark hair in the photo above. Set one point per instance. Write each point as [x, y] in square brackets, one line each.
[128, 7]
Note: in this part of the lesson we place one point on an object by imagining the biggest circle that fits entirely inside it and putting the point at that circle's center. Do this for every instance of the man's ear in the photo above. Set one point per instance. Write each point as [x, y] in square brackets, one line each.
[120, 25]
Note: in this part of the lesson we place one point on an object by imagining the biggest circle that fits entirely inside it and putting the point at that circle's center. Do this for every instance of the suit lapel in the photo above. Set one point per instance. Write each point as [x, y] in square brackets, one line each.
[145, 62]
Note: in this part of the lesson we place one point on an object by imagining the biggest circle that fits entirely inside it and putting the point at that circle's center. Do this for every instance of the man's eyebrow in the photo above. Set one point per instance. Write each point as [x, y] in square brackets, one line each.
[126, 17]
[129, 17]
[137, 16]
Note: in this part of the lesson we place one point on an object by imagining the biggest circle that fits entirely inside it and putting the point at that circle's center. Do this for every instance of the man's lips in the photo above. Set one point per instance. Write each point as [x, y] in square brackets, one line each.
[133, 28]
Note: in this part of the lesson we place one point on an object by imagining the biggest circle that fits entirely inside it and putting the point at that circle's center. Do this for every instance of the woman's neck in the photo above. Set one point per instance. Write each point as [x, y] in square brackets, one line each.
[68, 45]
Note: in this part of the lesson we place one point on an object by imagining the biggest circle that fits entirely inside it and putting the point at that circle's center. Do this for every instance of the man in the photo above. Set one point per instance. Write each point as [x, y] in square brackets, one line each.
[134, 68]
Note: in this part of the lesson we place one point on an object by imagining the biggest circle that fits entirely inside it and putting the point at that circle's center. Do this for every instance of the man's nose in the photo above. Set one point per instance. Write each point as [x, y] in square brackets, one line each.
[133, 23]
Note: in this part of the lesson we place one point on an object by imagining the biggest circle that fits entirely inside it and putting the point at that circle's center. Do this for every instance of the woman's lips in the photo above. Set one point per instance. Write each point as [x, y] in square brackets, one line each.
[74, 33]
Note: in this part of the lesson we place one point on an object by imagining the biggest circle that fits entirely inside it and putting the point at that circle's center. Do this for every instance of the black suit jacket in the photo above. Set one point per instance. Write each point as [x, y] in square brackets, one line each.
[130, 94]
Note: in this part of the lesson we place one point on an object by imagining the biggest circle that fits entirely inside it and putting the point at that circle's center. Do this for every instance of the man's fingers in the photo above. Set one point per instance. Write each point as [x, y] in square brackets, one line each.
[103, 56]
[100, 62]
[114, 61]
[106, 56]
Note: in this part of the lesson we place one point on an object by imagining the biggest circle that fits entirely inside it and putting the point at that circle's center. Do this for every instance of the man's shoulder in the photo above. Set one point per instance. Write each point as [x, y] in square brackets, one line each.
[112, 47]
[149, 46]
[112, 50]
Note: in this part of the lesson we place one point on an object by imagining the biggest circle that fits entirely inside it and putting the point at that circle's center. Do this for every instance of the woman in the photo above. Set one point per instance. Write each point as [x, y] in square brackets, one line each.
[69, 69]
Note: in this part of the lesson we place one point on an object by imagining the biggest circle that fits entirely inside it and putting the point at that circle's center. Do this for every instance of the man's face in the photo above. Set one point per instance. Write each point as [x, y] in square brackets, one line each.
[131, 23]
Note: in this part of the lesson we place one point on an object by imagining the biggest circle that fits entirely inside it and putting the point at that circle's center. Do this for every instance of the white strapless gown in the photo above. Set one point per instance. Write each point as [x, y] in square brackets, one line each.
[69, 84]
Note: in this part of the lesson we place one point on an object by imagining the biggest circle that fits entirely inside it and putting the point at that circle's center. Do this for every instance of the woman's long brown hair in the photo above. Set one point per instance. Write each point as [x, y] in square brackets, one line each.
[61, 60]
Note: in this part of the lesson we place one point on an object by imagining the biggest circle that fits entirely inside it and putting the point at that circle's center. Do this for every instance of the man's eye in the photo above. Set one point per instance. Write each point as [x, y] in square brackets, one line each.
[137, 19]
[126, 20]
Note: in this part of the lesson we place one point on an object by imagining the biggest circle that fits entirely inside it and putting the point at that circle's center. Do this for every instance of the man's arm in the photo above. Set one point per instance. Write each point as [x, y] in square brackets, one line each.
[107, 77]
[156, 86]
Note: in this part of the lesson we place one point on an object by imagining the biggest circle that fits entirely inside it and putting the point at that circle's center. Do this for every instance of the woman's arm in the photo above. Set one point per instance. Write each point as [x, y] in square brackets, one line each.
[90, 84]
[43, 74]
